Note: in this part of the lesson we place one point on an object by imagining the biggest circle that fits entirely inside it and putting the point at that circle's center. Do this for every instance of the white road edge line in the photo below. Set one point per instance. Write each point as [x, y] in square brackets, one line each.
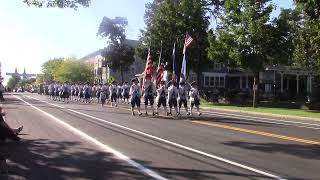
[106, 148]
[172, 143]
[266, 120]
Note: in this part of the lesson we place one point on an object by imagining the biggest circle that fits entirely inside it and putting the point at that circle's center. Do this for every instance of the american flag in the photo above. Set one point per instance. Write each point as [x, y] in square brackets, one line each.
[187, 43]
[160, 73]
[148, 69]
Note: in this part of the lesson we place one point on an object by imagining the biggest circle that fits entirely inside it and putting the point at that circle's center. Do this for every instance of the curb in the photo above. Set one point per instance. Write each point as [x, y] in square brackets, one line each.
[262, 114]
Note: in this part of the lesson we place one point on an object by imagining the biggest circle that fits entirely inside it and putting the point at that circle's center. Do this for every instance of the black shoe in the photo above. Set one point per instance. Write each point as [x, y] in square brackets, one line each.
[199, 114]
[157, 113]
[178, 114]
[146, 113]
[132, 113]
[188, 114]
[19, 130]
[140, 114]
[153, 114]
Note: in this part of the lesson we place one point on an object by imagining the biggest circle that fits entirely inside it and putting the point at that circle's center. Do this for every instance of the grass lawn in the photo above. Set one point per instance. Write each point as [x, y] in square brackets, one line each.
[270, 110]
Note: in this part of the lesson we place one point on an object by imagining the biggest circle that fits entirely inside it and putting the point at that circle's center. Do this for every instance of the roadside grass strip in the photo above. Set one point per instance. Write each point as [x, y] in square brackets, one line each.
[268, 110]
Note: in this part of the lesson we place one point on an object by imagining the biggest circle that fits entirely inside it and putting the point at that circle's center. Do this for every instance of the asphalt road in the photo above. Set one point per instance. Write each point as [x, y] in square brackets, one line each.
[86, 141]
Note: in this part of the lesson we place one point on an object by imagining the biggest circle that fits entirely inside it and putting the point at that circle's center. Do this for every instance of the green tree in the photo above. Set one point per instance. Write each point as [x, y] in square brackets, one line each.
[307, 44]
[13, 81]
[113, 29]
[243, 36]
[169, 21]
[118, 55]
[25, 83]
[282, 37]
[74, 4]
[74, 71]
[49, 68]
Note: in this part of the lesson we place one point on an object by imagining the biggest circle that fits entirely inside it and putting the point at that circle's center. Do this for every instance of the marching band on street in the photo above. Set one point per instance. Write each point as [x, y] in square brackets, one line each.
[170, 95]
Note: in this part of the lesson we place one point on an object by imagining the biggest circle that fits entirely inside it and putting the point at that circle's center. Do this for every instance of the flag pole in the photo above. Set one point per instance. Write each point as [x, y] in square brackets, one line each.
[160, 55]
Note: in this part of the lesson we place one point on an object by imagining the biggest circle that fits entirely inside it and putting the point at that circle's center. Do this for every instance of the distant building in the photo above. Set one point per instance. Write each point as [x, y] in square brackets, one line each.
[103, 73]
[24, 75]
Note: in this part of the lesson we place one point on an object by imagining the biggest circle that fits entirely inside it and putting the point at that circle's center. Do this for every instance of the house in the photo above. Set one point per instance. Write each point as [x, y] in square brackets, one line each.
[274, 80]
[103, 73]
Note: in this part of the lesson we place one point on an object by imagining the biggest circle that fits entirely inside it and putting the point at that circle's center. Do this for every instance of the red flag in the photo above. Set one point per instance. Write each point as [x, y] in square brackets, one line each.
[160, 73]
[148, 69]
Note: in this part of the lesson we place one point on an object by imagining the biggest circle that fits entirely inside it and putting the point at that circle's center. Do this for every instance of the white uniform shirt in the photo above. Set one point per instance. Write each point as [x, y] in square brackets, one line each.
[194, 94]
[149, 88]
[113, 89]
[162, 91]
[126, 89]
[135, 91]
[173, 92]
[183, 92]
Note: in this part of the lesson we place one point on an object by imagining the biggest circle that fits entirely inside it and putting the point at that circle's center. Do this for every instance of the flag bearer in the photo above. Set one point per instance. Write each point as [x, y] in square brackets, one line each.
[172, 96]
[182, 97]
[162, 97]
[148, 92]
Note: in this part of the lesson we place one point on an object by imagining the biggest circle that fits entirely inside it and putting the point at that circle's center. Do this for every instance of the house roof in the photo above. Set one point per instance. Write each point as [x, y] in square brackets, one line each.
[91, 55]
[130, 42]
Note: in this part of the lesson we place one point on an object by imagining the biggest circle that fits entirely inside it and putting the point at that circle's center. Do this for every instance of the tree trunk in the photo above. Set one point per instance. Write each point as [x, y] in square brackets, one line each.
[255, 89]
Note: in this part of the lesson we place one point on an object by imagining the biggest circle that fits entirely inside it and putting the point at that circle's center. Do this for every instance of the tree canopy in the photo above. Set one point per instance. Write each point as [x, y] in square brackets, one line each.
[113, 29]
[169, 21]
[49, 68]
[74, 4]
[65, 69]
[13, 81]
[118, 54]
[307, 43]
[74, 71]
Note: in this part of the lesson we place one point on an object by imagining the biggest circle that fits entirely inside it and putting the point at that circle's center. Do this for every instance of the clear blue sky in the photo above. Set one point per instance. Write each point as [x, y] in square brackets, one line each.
[29, 36]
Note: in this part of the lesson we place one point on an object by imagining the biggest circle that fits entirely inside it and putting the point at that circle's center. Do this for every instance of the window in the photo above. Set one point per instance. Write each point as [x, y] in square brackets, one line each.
[217, 66]
[221, 81]
[212, 81]
[217, 82]
[206, 81]
[268, 88]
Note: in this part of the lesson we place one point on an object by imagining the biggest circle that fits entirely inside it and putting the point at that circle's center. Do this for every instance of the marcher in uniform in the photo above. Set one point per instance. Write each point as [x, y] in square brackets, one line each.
[135, 93]
[194, 98]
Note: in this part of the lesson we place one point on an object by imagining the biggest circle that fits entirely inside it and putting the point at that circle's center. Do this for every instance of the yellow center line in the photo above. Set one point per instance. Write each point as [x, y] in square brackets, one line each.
[259, 133]
[278, 136]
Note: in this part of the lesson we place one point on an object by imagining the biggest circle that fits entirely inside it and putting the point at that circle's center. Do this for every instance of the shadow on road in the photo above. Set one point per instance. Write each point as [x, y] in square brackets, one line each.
[302, 151]
[46, 159]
